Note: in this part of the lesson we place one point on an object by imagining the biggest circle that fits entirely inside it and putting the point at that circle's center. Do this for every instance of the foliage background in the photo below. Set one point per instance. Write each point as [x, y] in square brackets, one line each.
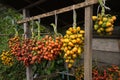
[7, 18]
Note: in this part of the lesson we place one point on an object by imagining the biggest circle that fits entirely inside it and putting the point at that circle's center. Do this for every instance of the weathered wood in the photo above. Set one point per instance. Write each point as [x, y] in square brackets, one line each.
[29, 73]
[26, 26]
[26, 35]
[62, 10]
[88, 43]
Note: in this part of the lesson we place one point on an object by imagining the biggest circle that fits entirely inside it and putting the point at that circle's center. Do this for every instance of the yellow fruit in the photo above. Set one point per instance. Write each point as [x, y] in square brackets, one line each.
[69, 47]
[74, 41]
[74, 56]
[114, 18]
[68, 33]
[72, 36]
[82, 38]
[100, 22]
[98, 31]
[78, 28]
[74, 49]
[94, 18]
[82, 31]
[66, 40]
[111, 20]
[108, 24]
[109, 29]
[68, 52]
[65, 55]
[71, 52]
[64, 44]
[105, 19]
[74, 30]
[102, 29]
[79, 51]
[70, 44]
[69, 65]
[80, 35]
[70, 29]
[71, 61]
[65, 48]
[78, 40]
[66, 60]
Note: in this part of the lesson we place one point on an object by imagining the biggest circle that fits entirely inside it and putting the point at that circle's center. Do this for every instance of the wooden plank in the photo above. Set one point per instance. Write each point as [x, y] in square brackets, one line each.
[62, 10]
[88, 43]
[26, 35]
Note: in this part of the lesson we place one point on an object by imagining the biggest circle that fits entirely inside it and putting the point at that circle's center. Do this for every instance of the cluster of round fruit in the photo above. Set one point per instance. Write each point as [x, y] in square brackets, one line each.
[103, 24]
[73, 44]
[52, 47]
[79, 72]
[7, 58]
[30, 51]
[14, 45]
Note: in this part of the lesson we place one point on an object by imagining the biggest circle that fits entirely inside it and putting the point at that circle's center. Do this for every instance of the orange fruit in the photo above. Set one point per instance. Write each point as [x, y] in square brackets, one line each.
[109, 29]
[74, 30]
[114, 18]
[108, 24]
[70, 44]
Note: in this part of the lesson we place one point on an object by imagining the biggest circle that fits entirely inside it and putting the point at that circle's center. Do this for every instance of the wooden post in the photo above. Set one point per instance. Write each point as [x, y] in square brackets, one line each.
[27, 35]
[88, 43]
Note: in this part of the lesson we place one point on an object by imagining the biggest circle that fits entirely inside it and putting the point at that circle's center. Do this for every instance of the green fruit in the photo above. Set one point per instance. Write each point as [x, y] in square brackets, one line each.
[96, 27]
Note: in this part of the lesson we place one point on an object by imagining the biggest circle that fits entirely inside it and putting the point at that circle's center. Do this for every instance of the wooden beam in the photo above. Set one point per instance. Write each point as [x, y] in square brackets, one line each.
[88, 43]
[62, 10]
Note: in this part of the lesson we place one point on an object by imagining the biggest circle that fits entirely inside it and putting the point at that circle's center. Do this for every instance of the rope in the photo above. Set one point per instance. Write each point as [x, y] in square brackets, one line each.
[102, 4]
[56, 17]
[74, 16]
[105, 5]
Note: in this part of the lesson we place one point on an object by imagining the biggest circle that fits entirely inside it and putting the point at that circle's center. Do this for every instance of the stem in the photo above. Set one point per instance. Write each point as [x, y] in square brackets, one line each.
[16, 32]
[74, 18]
[32, 32]
[38, 29]
[103, 9]
[55, 28]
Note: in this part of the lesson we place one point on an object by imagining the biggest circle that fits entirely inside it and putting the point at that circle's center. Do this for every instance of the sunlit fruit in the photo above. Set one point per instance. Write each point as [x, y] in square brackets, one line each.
[73, 45]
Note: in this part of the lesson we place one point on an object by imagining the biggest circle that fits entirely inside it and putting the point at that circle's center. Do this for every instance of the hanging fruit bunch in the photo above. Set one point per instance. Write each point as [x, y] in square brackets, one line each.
[15, 44]
[24, 50]
[73, 42]
[103, 23]
[52, 45]
[79, 72]
[7, 58]
[30, 53]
